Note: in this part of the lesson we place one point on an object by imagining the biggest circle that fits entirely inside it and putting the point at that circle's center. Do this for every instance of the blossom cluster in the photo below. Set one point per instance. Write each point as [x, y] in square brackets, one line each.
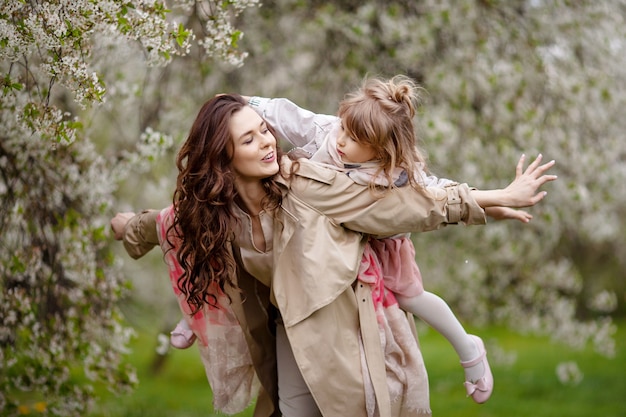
[221, 38]
[61, 330]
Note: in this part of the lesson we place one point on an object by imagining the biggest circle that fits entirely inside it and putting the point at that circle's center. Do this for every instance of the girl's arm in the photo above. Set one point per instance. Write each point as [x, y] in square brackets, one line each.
[298, 126]
[433, 181]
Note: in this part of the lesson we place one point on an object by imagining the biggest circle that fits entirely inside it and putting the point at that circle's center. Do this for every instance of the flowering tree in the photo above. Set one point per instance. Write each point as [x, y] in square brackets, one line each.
[60, 328]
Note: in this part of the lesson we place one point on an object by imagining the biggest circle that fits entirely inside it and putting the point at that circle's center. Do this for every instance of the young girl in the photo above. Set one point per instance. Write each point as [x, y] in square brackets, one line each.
[373, 141]
[375, 144]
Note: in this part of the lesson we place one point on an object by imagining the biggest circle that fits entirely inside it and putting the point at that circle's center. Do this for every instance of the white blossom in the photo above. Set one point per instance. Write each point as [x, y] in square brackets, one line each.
[163, 344]
[604, 302]
[568, 373]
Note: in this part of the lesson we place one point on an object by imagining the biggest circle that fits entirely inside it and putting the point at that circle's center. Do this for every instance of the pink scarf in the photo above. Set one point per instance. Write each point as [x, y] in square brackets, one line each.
[223, 348]
[407, 379]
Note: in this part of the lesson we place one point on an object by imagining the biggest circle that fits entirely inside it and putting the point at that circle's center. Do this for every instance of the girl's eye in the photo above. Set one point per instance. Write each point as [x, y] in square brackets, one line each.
[248, 141]
[265, 131]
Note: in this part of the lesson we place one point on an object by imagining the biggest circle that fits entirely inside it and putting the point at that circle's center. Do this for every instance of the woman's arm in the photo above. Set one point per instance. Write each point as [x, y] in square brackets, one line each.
[522, 192]
[495, 212]
[405, 209]
[402, 209]
[137, 231]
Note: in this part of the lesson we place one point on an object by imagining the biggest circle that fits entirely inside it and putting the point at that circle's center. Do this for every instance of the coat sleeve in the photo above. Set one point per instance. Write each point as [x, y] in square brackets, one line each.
[140, 234]
[399, 210]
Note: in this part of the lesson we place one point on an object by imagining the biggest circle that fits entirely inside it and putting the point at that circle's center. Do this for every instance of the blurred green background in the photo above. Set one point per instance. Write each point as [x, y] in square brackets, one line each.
[524, 367]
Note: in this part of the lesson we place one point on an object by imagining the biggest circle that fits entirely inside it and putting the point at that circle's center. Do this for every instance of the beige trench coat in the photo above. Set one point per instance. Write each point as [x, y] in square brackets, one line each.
[316, 259]
[319, 236]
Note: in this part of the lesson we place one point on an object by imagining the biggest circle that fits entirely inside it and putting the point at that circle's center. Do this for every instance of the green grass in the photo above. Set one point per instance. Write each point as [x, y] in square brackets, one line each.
[527, 386]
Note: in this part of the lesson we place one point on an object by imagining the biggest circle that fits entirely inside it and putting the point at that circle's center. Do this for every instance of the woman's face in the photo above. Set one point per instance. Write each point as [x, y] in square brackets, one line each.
[254, 147]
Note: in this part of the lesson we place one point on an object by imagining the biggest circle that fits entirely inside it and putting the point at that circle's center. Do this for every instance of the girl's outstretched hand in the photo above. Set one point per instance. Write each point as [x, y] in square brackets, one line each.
[523, 191]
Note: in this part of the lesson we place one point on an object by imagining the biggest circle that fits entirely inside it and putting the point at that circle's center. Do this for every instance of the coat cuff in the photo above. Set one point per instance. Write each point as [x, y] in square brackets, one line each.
[140, 234]
[454, 204]
[472, 212]
[462, 207]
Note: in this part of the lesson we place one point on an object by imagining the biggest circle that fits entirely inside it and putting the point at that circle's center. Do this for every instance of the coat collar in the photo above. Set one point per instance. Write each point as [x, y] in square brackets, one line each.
[307, 169]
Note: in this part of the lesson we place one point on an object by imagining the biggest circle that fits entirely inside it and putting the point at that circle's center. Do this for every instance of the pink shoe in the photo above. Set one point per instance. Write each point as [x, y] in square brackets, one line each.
[480, 390]
[181, 338]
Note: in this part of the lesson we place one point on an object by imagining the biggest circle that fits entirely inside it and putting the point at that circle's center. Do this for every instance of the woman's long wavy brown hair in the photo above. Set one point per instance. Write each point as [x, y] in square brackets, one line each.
[205, 222]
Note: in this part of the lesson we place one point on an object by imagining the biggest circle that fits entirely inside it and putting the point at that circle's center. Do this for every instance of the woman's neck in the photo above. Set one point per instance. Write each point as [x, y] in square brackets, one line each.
[251, 195]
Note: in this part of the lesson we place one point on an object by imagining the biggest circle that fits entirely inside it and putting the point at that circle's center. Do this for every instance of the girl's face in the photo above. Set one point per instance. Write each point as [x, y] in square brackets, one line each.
[352, 151]
[254, 147]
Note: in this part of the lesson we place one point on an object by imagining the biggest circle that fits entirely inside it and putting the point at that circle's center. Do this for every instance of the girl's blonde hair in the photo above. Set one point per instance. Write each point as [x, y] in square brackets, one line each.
[380, 113]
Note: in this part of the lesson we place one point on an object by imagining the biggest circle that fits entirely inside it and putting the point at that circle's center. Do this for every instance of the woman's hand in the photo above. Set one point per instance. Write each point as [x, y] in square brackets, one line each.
[119, 222]
[523, 191]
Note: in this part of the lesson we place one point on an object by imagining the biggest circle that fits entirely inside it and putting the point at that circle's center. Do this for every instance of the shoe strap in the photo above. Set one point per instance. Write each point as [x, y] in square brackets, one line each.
[475, 361]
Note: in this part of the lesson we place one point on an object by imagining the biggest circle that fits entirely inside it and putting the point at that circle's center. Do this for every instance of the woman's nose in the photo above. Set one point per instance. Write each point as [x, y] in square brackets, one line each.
[268, 140]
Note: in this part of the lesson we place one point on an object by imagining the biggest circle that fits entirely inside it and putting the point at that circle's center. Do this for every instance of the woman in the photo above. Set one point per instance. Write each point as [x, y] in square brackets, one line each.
[283, 241]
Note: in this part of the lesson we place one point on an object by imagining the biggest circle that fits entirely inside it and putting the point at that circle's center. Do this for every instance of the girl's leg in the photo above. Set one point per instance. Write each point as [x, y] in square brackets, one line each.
[294, 397]
[433, 310]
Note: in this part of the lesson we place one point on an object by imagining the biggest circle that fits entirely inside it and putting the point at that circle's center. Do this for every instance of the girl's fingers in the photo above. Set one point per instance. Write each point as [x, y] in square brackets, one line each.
[523, 216]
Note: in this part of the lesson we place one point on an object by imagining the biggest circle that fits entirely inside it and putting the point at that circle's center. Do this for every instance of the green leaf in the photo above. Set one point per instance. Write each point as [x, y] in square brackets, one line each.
[182, 35]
